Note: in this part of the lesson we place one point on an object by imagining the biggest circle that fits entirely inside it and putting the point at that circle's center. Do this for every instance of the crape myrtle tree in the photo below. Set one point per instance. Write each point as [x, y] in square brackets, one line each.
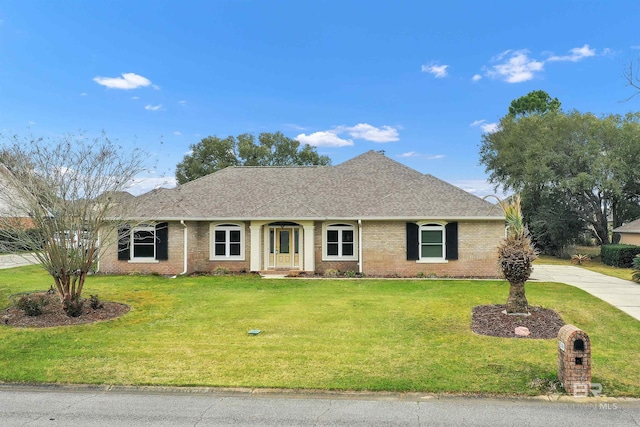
[212, 154]
[61, 201]
[587, 164]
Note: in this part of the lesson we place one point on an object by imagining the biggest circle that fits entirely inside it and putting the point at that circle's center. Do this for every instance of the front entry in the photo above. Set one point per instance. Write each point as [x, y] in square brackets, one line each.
[284, 247]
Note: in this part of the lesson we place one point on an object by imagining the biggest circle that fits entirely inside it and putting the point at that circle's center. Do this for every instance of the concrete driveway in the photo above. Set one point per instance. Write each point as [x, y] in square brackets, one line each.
[11, 261]
[623, 294]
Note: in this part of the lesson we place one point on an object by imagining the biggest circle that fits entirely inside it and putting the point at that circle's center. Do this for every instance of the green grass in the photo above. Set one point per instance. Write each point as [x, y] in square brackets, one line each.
[594, 265]
[318, 334]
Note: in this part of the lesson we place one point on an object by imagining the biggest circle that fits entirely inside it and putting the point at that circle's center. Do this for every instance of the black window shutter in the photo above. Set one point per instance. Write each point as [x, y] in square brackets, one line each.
[413, 251]
[451, 231]
[162, 241]
[124, 236]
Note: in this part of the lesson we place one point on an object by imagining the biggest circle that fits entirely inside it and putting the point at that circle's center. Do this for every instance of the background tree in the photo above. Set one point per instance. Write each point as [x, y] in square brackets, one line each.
[272, 149]
[554, 221]
[69, 189]
[535, 102]
[589, 161]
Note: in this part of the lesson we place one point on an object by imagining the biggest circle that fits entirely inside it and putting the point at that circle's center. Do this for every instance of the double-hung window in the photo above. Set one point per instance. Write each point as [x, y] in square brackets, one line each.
[227, 242]
[340, 242]
[432, 242]
[143, 243]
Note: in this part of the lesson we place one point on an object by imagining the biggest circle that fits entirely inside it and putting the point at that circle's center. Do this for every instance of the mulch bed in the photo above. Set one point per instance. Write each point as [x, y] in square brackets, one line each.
[490, 320]
[54, 315]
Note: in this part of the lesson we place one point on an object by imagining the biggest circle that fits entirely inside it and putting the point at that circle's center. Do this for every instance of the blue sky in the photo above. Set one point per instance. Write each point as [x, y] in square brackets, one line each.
[421, 80]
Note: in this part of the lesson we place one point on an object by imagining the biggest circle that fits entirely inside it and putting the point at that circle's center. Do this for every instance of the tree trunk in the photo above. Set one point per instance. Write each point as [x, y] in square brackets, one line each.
[517, 302]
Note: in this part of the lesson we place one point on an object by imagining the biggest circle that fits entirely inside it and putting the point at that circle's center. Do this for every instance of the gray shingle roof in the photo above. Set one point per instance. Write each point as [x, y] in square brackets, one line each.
[369, 186]
[631, 227]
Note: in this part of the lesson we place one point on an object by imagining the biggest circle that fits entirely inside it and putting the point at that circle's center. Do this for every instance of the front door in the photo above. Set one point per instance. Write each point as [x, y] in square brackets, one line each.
[283, 247]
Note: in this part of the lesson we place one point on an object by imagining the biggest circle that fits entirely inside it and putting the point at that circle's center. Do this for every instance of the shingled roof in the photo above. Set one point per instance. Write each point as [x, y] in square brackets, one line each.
[369, 186]
[631, 227]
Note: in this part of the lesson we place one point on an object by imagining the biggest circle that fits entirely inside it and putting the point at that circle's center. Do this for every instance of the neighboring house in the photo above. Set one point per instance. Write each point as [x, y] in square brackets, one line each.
[12, 211]
[629, 233]
[370, 214]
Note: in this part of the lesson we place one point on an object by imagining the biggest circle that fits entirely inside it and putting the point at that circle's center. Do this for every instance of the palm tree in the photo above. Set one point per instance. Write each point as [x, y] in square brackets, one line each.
[516, 255]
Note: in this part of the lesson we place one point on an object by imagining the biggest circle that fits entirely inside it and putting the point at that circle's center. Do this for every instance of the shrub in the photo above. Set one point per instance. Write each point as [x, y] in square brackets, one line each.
[95, 302]
[350, 273]
[221, 271]
[74, 307]
[619, 255]
[31, 305]
[636, 269]
[580, 259]
[331, 273]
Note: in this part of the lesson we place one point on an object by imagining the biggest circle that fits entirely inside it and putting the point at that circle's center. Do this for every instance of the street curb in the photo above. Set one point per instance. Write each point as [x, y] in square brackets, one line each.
[302, 393]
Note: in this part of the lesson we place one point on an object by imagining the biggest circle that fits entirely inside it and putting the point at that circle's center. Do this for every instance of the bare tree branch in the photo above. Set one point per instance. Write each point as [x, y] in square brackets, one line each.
[62, 200]
[632, 77]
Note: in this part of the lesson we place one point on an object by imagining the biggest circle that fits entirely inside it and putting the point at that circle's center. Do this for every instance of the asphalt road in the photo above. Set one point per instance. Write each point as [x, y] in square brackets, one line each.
[51, 407]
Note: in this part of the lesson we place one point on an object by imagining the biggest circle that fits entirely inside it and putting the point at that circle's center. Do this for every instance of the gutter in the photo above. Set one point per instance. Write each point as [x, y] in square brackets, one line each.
[185, 236]
[360, 246]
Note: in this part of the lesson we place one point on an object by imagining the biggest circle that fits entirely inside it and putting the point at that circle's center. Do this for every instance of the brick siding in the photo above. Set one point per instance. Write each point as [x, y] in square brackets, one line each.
[383, 248]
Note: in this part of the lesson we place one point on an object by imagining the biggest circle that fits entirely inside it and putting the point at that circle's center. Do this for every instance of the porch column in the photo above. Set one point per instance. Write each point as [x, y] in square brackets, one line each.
[256, 249]
[309, 252]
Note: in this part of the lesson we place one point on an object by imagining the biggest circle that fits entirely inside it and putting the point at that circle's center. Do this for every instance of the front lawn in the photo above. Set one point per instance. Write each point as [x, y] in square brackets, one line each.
[361, 334]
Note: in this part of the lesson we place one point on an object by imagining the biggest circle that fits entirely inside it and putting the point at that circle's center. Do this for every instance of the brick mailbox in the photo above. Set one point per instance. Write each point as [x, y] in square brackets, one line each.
[574, 360]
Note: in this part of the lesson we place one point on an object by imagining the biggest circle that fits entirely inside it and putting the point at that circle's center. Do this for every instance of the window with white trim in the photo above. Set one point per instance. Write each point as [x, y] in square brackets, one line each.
[227, 241]
[432, 242]
[340, 242]
[143, 242]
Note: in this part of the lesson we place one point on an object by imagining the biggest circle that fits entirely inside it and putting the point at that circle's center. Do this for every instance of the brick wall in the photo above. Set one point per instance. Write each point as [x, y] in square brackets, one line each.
[197, 254]
[109, 262]
[630, 238]
[383, 247]
[385, 252]
[323, 266]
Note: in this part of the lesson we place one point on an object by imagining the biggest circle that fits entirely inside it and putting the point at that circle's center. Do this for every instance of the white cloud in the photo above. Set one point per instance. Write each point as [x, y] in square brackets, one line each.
[84, 94]
[126, 82]
[576, 54]
[517, 68]
[331, 138]
[408, 154]
[294, 126]
[426, 156]
[31, 123]
[486, 127]
[370, 133]
[141, 185]
[476, 77]
[478, 187]
[324, 139]
[153, 107]
[182, 102]
[439, 71]
[177, 133]
[135, 97]
[489, 127]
